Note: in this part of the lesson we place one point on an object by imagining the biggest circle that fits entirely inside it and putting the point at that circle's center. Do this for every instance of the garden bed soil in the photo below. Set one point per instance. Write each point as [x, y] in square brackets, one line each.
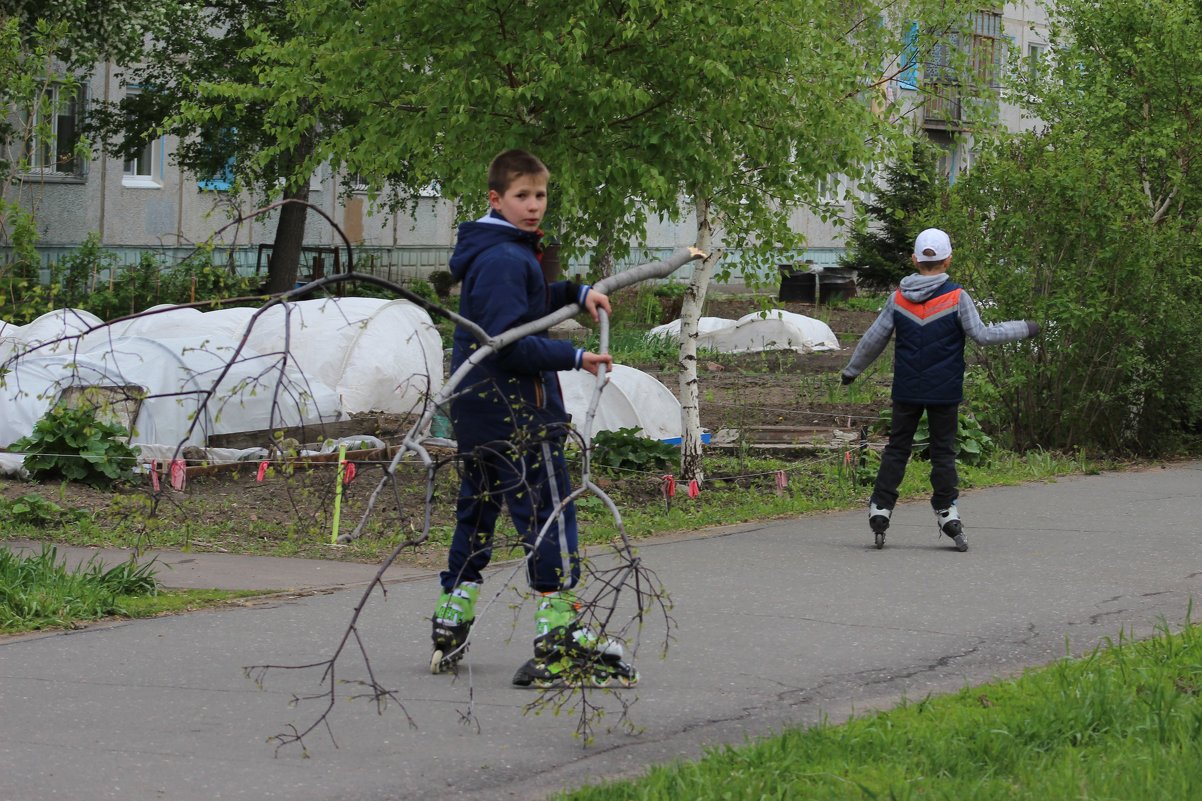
[231, 510]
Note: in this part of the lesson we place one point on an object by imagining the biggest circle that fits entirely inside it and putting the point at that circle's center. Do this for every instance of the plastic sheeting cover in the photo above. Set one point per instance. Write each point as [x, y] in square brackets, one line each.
[378, 355]
[631, 399]
[176, 375]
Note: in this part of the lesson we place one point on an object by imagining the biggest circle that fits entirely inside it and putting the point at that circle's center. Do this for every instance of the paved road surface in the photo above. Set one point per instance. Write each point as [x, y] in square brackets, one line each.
[779, 623]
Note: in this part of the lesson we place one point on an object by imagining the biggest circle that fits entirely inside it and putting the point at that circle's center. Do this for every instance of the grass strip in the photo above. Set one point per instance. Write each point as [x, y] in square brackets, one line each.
[39, 592]
[1124, 722]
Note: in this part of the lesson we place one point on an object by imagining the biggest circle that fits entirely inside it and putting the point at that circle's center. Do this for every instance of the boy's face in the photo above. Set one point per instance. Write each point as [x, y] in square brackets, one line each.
[524, 202]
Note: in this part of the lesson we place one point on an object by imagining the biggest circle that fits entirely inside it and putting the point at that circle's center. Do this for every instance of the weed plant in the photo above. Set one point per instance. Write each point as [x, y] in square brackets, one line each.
[629, 346]
[1123, 722]
[74, 445]
[39, 591]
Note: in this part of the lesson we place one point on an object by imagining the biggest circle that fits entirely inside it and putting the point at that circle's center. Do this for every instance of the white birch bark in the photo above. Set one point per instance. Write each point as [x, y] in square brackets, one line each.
[691, 465]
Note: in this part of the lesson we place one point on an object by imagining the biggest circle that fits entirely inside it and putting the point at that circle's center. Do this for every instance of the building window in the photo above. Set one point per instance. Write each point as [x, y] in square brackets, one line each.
[907, 76]
[830, 189]
[54, 133]
[222, 182]
[144, 168]
[986, 48]
[1035, 53]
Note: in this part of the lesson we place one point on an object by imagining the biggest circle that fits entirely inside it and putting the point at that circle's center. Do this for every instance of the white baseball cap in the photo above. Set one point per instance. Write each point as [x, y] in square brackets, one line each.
[932, 245]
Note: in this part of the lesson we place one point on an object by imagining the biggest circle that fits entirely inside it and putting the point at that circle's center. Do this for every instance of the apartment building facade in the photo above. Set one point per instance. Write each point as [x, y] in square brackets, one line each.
[146, 202]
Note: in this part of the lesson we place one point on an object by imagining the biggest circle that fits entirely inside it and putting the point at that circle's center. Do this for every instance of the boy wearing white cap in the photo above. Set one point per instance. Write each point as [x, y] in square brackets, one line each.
[931, 316]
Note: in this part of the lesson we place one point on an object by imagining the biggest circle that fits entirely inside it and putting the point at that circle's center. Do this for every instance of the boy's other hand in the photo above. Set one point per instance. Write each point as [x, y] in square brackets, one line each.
[595, 300]
[592, 361]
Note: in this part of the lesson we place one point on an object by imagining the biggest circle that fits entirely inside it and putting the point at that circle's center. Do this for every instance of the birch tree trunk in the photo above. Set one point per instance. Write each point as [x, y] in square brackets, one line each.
[691, 465]
[603, 255]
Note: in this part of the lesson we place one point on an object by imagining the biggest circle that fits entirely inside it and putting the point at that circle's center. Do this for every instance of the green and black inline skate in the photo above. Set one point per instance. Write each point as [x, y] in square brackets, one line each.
[567, 654]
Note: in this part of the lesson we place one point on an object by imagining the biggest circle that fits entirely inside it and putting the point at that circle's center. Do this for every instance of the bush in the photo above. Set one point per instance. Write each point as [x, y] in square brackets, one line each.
[442, 281]
[1043, 233]
[973, 445]
[72, 444]
[627, 449]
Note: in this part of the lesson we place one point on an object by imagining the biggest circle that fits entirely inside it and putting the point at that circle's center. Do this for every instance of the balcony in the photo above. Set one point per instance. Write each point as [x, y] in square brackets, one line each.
[942, 108]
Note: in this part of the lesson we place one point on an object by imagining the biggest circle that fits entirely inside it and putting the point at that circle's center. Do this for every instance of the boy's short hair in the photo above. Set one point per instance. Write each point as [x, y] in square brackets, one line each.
[511, 164]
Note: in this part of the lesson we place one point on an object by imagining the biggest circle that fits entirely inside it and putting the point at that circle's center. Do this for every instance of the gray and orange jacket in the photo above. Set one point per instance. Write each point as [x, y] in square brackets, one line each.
[931, 316]
[503, 287]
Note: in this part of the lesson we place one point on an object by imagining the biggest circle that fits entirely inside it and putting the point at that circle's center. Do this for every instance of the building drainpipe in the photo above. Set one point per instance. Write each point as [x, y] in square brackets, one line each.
[104, 159]
[179, 206]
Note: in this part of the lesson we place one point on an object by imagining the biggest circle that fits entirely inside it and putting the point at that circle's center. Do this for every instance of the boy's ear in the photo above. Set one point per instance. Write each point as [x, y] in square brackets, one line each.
[494, 199]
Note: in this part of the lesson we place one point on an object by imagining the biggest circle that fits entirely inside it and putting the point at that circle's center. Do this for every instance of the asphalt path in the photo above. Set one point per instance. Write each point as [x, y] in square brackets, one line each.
[778, 624]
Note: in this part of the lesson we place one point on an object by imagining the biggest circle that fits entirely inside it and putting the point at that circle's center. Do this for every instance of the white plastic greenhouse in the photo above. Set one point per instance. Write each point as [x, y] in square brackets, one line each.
[775, 329]
[54, 332]
[705, 325]
[631, 399]
[378, 355]
[169, 380]
[344, 355]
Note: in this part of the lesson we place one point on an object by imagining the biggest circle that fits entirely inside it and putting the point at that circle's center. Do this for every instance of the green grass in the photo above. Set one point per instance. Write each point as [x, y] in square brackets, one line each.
[813, 486]
[1124, 723]
[39, 592]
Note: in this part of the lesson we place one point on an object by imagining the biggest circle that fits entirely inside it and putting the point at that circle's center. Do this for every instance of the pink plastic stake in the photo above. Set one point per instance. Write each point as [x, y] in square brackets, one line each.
[782, 480]
[262, 474]
[179, 474]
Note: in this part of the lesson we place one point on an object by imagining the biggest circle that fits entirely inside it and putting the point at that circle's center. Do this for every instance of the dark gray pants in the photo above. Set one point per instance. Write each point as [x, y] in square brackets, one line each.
[942, 423]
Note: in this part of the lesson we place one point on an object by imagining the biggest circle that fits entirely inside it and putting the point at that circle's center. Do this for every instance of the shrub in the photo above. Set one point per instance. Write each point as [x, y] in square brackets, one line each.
[72, 444]
[627, 449]
[973, 445]
[1044, 233]
[442, 280]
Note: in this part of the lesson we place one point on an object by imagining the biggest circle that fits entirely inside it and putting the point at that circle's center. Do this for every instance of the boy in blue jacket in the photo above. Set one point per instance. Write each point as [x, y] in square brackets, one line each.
[931, 316]
[510, 425]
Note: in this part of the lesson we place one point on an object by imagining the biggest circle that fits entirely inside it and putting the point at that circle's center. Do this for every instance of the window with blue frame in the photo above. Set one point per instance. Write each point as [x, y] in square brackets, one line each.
[907, 76]
[222, 182]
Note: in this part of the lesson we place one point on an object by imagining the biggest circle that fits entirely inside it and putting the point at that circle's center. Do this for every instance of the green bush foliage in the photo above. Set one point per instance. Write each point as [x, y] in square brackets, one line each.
[93, 279]
[627, 449]
[72, 444]
[1090, 225]
[1042, 235]
[973, 445]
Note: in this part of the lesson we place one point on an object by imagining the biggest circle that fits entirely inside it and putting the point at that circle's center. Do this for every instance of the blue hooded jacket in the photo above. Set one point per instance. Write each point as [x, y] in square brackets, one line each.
[503, 287]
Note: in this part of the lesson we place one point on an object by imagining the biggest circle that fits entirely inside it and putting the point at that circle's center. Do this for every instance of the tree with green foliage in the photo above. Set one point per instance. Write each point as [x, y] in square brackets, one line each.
[880, 245]
[192, 53]
[46, 49]
[1094, 223]
[723, 112]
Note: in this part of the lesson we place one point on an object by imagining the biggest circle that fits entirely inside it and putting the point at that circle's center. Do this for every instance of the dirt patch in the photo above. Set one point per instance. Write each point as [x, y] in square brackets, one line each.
[291, 511]
[778, 388]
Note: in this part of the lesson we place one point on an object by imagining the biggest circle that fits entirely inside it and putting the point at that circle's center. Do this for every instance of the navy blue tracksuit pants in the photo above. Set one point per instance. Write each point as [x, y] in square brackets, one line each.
[942, 421]
[531, 482]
